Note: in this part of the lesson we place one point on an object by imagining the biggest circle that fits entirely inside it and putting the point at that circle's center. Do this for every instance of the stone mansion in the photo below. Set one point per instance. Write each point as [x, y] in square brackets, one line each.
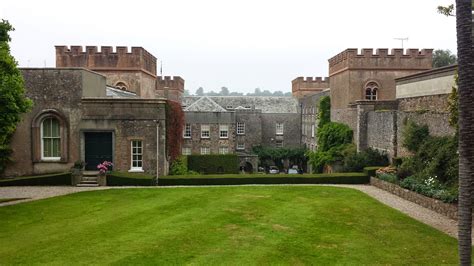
[109, 104]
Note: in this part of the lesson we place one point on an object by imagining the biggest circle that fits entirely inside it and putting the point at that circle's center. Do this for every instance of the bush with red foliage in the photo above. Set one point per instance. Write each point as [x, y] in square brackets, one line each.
[174, 129]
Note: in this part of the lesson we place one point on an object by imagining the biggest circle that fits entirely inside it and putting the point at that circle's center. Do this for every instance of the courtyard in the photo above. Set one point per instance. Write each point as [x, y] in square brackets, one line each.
[218, 225]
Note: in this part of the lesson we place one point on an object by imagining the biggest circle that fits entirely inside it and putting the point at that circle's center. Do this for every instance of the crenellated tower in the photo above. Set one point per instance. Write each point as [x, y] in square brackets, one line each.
[169, 87]
[133, 70]
[303, 86]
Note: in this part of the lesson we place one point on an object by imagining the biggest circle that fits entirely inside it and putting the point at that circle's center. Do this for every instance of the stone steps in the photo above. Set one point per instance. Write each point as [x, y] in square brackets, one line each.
[89, 179]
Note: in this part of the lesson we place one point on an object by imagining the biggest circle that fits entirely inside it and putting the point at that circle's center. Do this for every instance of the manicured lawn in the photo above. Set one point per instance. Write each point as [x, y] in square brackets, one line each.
[217, 225]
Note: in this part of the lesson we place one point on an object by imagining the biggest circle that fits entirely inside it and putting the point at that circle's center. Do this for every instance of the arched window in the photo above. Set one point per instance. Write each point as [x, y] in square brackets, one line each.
[371, 90]
[121, 85]
[50, 139]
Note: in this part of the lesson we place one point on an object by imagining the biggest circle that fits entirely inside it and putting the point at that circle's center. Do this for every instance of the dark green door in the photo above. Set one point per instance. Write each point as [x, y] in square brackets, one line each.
[98, 148]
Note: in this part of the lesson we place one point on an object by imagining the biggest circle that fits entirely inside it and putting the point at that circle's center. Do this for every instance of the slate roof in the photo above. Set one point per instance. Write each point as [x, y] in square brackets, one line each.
[117, 93]
[267, 104]
[204, 104]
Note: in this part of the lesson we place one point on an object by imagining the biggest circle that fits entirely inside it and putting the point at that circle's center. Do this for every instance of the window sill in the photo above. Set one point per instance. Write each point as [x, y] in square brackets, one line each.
[205, 137]
[223, 137]
[51, 160]
[136, 170]
[186, 137]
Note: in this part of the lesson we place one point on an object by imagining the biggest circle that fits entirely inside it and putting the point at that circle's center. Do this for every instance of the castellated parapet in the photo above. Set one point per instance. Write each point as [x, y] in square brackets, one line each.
[397, 59]
[170, 87]
[302, 86]
[106, 59]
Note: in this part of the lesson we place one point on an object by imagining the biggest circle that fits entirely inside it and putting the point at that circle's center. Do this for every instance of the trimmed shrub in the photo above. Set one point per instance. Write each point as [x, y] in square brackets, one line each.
[337, 178]
[57, 179]
[130, 179]
[179, 166]
[214, 164]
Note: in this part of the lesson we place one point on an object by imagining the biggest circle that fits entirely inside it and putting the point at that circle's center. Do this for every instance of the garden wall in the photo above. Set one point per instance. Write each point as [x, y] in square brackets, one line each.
[446, 209]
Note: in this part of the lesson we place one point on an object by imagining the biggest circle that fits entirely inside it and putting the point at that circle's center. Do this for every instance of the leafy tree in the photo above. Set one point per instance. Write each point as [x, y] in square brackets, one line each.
[186, 93]
[446, 10]
[224, 91]
[278, 93]
[443, 58]
[200, 91]
[13, 102]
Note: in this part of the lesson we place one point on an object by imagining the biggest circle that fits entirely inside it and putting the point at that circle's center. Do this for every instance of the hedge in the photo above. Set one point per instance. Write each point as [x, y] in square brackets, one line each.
[370, 170]
[335, 178]
[214, 164]
[57, 179]
[130, 179]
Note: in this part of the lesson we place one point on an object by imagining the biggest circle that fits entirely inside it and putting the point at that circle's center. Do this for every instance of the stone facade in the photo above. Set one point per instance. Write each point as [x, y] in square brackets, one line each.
[309, 114]
[77, 98]
[352, 73]
[305, 86]
[133, 71]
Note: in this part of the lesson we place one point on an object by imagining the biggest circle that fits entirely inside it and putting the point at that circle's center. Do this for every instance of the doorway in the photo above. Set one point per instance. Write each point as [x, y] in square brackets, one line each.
[97, 148]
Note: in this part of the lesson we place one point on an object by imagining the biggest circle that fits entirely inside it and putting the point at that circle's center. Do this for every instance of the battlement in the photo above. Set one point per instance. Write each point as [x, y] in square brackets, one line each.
[302, 86]
[106, 59]
[170, 82]
[410, 59]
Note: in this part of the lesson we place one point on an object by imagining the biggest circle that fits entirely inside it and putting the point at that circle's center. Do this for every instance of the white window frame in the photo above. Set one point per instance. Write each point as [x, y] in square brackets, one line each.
[241, 146]
[133, 153]
[280, 127]
[279, 143]
[312, 131]
[186, 151]
[224, 131]
[205, 128]
[43, 137]
[240, 128]
[187, 133]
[205, 150]
[223, 150]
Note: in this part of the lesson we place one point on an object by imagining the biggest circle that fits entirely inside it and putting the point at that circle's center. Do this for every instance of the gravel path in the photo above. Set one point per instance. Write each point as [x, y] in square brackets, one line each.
[411, 209]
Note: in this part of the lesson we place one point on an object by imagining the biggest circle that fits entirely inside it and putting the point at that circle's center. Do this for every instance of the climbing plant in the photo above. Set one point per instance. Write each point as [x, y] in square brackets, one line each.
[174, 129]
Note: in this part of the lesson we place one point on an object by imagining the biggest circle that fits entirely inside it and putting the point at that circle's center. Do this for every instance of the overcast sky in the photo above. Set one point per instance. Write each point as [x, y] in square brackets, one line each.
[240, 44]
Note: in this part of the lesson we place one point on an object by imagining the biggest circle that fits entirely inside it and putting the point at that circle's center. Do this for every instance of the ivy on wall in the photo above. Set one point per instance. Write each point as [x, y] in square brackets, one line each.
[174, 129]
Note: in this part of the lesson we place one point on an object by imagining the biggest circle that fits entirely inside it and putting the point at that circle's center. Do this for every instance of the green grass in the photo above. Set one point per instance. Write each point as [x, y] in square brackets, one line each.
[3, 200]
[217, 225]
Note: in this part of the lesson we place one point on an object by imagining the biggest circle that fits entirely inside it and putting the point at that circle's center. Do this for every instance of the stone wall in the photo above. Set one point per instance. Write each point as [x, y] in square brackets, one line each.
[61, 93]
[310, 110]
[382, 131]
[291, 130]
[446, 209]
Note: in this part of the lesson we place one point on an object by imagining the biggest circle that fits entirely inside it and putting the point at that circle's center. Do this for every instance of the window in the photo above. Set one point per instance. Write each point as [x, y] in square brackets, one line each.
[223, 131]
[312, 131]
[371, 91]
[223, 150]
[50, 139]
[186, 151]
[279, 128]
[279, 143]
[205, 150]
[240, 146]
[229, 107]
[187, 131]
[205, 131]
[240, 128]
[121, 85]
[137, 155]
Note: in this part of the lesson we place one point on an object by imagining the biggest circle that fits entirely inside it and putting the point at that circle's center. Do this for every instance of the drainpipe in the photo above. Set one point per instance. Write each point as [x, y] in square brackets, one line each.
[157, 150]
[301, 124]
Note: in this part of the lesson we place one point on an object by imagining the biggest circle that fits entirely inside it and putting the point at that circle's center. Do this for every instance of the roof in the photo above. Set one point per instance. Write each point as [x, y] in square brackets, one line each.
[117, 93]
[267, 104]
[204, 104]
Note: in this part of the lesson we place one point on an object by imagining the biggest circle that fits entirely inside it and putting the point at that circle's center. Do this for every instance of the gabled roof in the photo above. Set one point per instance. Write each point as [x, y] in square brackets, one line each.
[204, 104]
[267, 104]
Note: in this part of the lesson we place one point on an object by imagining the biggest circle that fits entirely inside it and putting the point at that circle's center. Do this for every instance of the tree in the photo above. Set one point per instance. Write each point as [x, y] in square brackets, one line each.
[200, 91]
[464, 9]
[224, 91]
[13, 102]
[186, 93]
[443, 58]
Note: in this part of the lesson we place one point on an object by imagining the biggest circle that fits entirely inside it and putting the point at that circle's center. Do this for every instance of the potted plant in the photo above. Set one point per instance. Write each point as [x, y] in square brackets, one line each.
[103, 169]
[76, 172]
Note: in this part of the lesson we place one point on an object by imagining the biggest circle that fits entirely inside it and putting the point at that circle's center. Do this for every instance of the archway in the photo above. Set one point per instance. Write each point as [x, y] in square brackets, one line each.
[248, 168]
